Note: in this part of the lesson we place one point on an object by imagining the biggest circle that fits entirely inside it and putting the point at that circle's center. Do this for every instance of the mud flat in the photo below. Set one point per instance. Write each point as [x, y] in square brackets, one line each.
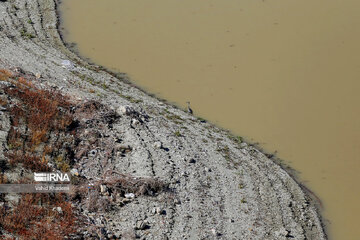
[221, 187]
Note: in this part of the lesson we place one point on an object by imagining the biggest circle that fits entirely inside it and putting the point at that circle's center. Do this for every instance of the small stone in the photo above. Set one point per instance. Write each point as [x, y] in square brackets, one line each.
[103, 188]
[74, 172]
[92, 153]
[157, 144]
[129, 195]
[134, 121]
[38, 75]
[58, 209]
[140, 225]
[192, 161]
[156, 210]
[125, 110]
[243, 144]
[213, 231]
[67, 64]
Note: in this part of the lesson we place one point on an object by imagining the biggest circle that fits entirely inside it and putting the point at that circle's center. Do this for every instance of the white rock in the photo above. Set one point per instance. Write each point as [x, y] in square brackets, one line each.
[157, 144]
[130, 195]
[124, 110]
[141, 225]
[243, 145]
[74, 172]
[156, 210]
[134, 121]
[67, 64]
[58, 209]
[103, 188]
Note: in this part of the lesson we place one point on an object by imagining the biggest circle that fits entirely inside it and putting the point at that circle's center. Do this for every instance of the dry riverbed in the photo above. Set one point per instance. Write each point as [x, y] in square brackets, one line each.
[157, 172]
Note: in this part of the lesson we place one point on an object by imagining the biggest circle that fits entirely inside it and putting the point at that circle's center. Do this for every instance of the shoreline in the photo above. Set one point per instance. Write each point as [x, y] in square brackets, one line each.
[124, 78]
[261, 176]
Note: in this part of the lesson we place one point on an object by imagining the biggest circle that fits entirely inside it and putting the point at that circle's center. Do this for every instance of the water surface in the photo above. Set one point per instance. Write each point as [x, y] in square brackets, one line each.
[284, 73]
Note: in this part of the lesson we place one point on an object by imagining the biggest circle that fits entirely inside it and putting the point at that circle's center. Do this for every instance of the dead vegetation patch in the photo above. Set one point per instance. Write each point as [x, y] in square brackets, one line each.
[40, 216]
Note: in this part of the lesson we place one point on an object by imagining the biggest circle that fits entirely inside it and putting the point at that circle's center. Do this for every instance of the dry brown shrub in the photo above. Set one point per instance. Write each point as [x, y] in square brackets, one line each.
[29, 161]
[5, 74]
[17, 113]
[3, 179]
[38, 137]
[3, 101]
[23, 82]
[14, 138]
[34, 218]
[41, 108]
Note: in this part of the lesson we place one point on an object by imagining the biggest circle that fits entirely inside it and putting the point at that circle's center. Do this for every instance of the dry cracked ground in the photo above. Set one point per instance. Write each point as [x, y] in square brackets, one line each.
[154, 171]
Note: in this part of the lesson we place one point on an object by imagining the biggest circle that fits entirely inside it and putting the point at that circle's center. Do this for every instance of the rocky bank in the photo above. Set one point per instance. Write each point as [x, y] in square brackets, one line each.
[181, 177]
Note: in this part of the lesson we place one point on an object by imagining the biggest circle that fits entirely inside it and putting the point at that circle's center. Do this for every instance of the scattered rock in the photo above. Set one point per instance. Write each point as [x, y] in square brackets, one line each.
[125, 110]
[67, 64]
[103, 188]
[157, 210]
[129, 195]
[157, 144]
[141, 225]
[74, 172]
[92, 153]
[58, 209]
[134, 121]
[243, 144]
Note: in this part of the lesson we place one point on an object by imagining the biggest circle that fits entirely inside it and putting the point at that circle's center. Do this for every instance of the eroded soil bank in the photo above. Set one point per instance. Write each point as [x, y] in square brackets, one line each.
[282, 73]
[158, 172]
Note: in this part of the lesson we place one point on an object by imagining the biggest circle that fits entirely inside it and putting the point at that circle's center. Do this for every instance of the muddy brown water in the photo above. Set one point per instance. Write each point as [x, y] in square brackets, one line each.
[284, 73]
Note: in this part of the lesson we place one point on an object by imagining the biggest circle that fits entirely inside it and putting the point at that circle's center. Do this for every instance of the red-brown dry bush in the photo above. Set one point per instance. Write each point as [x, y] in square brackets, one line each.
[38, 112]
[41, 107]
[34, 114]
[17, 113]
[29, 161]
[23, 82]
[5, 75]
[30, 220]
[14, 138]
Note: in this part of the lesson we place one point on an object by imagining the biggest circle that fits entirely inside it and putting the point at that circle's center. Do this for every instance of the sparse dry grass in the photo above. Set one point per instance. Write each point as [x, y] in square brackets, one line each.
[40, 108]
[29, 161]
[40, 112]
[5, 74]
[3, 179]
[35, 115]
[34, 218]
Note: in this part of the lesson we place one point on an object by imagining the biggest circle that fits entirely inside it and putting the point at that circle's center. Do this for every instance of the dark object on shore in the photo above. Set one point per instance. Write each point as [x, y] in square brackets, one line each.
[188, 108]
